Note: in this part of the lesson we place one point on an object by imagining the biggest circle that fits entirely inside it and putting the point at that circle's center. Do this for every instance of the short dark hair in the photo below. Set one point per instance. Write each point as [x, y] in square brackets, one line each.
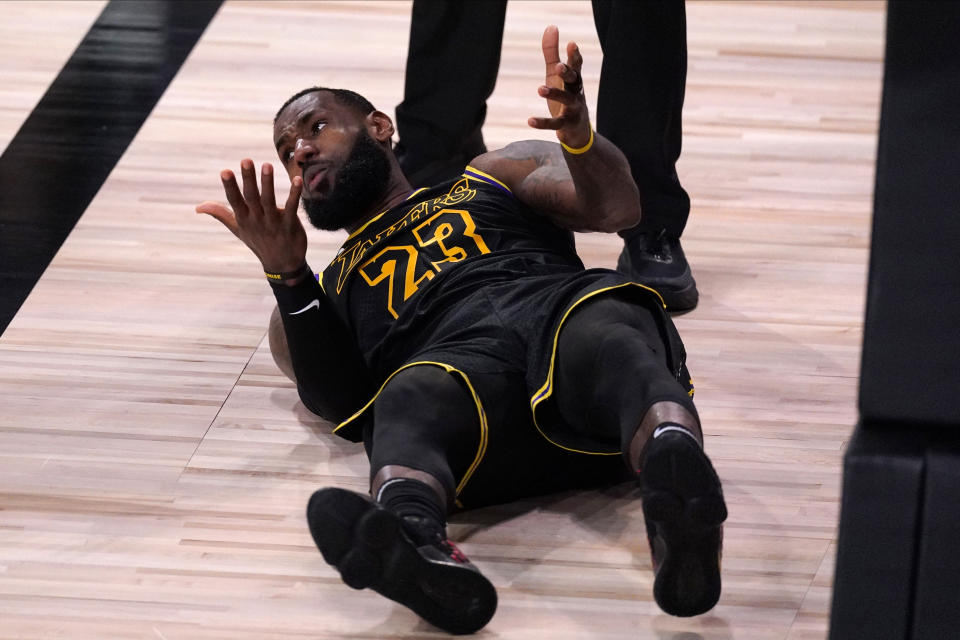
[347, 98]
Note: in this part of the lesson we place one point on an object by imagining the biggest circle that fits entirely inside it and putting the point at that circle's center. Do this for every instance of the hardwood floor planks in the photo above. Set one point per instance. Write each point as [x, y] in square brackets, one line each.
[154, 465]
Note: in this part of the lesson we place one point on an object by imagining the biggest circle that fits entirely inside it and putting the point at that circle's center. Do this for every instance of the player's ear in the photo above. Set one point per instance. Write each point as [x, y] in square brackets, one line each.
[380, 126]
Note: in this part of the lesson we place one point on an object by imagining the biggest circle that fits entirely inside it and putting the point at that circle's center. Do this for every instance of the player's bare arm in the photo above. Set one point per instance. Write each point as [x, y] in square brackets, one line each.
[585, 184]
[331, 375]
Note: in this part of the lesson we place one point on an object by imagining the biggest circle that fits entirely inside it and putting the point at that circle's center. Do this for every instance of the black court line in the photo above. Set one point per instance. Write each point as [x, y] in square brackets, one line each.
[69, 144]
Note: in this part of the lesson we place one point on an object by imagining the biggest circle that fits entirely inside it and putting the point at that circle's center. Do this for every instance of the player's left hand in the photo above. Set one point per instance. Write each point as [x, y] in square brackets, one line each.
[563, 90]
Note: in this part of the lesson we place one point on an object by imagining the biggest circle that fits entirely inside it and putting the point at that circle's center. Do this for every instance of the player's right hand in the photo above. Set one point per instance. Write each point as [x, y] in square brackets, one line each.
[563, 90]
[276, 236]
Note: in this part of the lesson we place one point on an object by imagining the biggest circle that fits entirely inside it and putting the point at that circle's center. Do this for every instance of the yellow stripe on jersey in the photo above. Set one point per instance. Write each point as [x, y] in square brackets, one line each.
[473, 172]
[378, 216]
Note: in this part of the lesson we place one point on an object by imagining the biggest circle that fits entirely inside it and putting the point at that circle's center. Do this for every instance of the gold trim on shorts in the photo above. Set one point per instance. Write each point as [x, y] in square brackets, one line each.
[481, 414]
[546, 390]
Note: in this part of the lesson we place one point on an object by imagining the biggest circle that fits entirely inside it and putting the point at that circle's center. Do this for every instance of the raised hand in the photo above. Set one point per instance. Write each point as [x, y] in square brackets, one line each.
[276, 236]
[563, 90]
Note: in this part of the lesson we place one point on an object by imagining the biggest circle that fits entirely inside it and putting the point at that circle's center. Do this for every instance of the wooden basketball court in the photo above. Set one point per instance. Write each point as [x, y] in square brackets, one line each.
[155, 465]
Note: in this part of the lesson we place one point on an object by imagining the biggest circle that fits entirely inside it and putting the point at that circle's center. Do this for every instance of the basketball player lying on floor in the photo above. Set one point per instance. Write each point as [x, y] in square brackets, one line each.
[458, 335]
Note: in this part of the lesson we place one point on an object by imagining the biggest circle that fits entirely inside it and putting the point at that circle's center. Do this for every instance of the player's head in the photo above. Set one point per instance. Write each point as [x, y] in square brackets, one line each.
[339, 143]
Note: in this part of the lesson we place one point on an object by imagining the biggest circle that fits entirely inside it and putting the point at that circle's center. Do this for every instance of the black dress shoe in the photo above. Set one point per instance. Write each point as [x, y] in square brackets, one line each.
[656, 260]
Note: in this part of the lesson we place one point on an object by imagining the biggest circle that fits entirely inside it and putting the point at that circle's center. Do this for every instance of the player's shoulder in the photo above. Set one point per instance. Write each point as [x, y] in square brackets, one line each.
[513, 163]
[476, 175]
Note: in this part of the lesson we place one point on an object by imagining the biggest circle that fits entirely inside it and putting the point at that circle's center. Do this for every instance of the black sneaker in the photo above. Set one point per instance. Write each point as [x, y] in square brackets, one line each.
[655, 259]
[370, 546]
[684, 511]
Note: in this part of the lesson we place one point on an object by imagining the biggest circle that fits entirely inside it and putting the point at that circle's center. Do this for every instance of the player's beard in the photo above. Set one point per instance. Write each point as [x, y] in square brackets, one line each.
[360, 182]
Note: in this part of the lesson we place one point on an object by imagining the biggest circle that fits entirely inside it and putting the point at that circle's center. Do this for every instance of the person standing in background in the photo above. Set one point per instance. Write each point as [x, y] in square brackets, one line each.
[639, 108]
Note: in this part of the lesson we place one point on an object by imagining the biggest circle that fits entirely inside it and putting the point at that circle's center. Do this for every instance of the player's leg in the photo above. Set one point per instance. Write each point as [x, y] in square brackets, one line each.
[614, 376]
[423, 435]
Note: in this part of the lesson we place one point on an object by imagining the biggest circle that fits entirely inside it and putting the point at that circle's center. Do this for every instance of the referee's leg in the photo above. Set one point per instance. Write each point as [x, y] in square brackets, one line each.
[613, 377]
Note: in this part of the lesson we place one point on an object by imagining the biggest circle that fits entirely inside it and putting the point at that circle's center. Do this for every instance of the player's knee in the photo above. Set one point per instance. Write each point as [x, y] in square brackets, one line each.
[278, 345]
[591, 350]
[427, 395]
[427, 410]
[620, 344]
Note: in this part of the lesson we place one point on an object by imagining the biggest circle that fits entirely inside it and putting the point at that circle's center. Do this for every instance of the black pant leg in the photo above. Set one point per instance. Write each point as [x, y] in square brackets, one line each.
[452, 65]
[640, 100]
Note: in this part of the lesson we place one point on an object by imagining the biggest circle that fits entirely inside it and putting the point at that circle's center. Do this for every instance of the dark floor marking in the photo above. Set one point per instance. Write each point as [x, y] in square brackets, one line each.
[71, 141]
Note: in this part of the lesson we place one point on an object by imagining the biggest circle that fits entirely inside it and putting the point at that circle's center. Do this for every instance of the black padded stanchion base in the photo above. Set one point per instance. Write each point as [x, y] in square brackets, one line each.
[879, 528]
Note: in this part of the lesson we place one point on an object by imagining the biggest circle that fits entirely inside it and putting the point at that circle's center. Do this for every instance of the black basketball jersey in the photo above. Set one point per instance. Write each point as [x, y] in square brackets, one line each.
[413, 263]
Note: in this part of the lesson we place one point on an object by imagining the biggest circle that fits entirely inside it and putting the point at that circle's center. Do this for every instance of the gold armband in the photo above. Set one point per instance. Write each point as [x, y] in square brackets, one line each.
[582, 149]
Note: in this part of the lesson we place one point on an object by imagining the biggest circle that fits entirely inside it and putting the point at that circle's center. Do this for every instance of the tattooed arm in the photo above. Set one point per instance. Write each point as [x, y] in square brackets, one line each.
[585, 185]
[593, 191]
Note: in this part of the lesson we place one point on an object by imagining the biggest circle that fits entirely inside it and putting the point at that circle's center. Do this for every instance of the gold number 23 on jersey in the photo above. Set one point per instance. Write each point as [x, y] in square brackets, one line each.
[445, 237]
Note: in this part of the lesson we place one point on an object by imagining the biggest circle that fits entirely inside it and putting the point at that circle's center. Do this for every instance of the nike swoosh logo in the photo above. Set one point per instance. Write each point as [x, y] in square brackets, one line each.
[661, 430]
[315, 304]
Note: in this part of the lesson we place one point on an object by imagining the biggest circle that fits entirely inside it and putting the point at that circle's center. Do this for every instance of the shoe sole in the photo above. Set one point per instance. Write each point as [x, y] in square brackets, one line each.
[678, 293]
[366, 544]
[683, 500]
